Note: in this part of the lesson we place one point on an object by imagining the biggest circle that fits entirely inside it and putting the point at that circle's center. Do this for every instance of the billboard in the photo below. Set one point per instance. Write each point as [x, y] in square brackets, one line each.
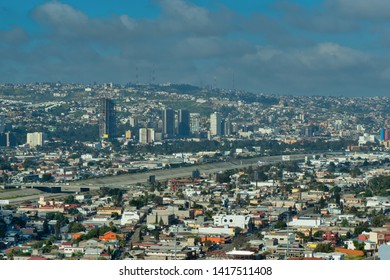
[4, 202]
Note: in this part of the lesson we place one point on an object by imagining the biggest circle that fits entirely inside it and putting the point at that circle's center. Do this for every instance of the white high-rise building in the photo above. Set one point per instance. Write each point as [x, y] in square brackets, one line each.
[215, 123]
[36, 139]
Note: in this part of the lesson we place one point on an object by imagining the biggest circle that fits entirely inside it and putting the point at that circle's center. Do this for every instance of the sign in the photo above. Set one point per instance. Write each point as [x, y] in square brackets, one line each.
[4, 202]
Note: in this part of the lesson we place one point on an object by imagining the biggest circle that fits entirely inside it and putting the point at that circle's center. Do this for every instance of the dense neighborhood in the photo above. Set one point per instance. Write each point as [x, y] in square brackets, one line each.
[270, 177]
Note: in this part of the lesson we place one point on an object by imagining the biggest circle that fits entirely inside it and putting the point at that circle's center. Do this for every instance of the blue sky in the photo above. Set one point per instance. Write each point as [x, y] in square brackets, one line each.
[319, 47]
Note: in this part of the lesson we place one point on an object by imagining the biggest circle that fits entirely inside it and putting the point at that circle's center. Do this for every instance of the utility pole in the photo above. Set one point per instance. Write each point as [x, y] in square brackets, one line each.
[288, 239]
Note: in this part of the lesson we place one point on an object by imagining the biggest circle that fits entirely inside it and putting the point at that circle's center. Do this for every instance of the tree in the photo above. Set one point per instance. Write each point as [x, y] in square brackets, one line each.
[318, 234]
[324, 247]
[3, 228]
[378, 220]
[161, 222]
[47, 177]
[356, 172]
[344, 223]
[70, 199]
[358, 245]
[360, 228]
[75, 227]
[280, 225]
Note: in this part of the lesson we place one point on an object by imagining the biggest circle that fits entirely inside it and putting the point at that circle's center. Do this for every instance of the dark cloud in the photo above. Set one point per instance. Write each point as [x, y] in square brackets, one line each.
[362, 9]
[14, 36]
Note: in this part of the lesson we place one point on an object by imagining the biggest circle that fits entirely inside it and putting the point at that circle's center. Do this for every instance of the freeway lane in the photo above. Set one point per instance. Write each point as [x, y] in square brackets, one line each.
[165, 174]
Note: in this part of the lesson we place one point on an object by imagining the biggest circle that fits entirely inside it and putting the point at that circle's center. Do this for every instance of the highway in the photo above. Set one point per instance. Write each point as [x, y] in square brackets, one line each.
[165, 174]
[123, 181]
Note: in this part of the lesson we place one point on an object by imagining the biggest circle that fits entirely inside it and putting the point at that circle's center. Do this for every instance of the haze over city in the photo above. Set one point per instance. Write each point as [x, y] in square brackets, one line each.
[194, 130]
[274, 47]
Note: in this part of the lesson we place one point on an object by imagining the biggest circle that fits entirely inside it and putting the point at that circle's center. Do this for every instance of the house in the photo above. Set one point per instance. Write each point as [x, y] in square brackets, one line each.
[241, 221]
[353, 253]
[310, 222]
[129, 217]
[111, 236]
[109, 210]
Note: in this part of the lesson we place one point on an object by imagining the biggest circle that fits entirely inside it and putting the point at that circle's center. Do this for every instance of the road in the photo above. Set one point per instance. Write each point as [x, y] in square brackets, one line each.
[161, 175]
[165, 174]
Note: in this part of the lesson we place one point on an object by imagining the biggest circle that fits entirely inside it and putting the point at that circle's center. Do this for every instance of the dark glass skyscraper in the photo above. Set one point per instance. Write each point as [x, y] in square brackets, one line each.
[107, 120]
[184, 123]
[168, 123]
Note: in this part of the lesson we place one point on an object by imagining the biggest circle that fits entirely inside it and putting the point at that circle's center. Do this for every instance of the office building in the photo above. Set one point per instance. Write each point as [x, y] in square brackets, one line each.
[2, 123]
[227, 127]
[387, 135]
[146, 135]
[133, 121]
[128, 134]
[215, 123]
[107, 125]
[184, 123]
[194, 123]
[36, 139]
[7, 139]
[382, 135]
[169, 123]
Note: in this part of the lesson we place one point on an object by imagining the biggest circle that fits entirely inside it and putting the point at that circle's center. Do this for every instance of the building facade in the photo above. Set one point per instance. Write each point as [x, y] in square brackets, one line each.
[107, 120]
[36, 139]
[184, 123]
[168, 123]
[146, 135]
[215, 123]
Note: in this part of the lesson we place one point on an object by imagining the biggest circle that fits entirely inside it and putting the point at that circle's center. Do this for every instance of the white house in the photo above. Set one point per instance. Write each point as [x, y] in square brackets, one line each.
[129, 216]
[241, 221]
[306, 222]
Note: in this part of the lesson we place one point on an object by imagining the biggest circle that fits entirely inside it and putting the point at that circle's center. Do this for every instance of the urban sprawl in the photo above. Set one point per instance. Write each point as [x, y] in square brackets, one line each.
[172, 171]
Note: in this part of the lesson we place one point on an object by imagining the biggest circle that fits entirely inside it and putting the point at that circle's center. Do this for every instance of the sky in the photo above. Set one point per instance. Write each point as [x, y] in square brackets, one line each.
[282, 47]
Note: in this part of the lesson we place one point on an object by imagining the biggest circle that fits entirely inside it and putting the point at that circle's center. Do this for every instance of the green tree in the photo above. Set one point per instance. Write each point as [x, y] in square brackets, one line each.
[324, 247]
[344, 223]
[280, 225]
[356, 172]
[358, 245]
[47, 177]
[360, 228]
[70, 199]
[75, 227]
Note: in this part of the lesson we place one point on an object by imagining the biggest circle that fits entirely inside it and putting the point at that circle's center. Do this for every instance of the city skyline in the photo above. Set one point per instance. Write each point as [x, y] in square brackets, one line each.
[273, 47]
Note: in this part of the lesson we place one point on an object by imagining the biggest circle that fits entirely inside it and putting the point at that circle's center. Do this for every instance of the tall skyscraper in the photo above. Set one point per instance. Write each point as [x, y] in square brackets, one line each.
[215, 123]
[168, 123]
[382, 134]
[2, 123]
[184, 123]
[133, 121]
[194, 123]
[107, 125]
[227, 127]
[7, 139]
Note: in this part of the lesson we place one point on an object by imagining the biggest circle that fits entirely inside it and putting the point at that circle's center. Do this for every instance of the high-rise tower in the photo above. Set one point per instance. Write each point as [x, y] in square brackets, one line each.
[215, 123]
[168, 123]
[184, 123]
[107, 124]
